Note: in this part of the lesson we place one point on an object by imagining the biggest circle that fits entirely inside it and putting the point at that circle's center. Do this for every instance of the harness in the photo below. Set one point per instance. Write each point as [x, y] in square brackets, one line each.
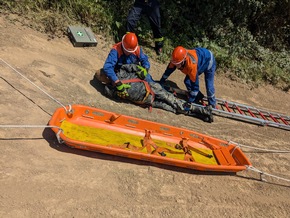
[148, 90]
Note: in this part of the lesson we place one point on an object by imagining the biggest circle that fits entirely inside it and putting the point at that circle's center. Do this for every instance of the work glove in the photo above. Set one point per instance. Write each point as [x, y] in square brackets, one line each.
[122, 89]
[187, 106]
[142, 73]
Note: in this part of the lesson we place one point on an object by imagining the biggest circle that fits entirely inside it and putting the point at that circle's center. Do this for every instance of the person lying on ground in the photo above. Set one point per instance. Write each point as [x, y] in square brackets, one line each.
[150, 94]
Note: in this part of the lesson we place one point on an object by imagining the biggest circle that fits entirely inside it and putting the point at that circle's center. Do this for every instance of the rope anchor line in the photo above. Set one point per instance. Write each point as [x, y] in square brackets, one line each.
[37, 126]
[30, 126]
[263, 174]
[256, 148]
[55, 100]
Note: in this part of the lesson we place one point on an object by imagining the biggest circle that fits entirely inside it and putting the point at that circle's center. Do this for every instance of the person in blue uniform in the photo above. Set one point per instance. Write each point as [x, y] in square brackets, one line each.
[126, 52]
[194, 62]
[151, 8]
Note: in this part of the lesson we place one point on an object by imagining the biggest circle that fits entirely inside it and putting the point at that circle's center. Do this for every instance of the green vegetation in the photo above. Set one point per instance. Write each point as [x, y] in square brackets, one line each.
[250, 38]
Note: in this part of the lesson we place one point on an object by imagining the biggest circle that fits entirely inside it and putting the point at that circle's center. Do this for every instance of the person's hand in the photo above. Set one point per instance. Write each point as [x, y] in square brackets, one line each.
[142, 73]
[122, 89]
[187, 106]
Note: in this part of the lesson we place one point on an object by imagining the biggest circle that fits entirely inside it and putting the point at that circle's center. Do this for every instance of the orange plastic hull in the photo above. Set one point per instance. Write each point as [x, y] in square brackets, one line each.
[224, 157]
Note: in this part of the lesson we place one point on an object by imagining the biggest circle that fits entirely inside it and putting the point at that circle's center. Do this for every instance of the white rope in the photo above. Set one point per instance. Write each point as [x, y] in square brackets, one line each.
[37, 126]
[68, 111]
[255, 169]
[35, 85]
[262, 149]
[263, 173]
[28, 126]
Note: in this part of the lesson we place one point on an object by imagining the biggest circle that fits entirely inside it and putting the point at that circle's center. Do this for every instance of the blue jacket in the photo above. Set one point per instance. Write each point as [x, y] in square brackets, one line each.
[117, 58]
[204, 57]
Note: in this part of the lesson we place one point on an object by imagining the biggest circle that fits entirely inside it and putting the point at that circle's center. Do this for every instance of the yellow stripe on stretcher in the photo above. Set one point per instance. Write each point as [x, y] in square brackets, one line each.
[105, 137]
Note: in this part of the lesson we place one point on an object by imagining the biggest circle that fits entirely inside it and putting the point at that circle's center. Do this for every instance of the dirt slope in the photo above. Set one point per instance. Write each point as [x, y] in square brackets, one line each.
[40, 178]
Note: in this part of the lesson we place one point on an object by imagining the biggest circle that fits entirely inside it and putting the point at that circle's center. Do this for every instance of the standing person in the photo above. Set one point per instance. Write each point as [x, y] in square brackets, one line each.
[152, 10]
[125, 52]
[193, 62]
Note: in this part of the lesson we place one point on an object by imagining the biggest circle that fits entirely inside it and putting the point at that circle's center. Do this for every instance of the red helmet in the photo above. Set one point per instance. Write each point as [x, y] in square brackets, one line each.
[130, 42]
[178, 55]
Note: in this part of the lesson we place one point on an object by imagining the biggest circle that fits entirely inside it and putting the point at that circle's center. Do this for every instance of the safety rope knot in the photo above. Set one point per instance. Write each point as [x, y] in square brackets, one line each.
[69, 111]
[60, 141]
[258, 171]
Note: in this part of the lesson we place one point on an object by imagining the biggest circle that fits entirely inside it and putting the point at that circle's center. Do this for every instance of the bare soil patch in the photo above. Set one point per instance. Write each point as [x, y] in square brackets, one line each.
[40, 178]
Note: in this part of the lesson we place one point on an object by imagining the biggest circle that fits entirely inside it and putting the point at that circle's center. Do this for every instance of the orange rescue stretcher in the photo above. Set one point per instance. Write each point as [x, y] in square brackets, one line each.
[97, 130]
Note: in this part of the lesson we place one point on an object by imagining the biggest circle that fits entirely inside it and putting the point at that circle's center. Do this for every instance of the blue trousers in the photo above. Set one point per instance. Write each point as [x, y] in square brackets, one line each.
[153, 14]
[193, 87]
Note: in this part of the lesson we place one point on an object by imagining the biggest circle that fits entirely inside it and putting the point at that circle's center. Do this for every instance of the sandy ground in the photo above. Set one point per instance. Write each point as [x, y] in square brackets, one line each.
[41, 178]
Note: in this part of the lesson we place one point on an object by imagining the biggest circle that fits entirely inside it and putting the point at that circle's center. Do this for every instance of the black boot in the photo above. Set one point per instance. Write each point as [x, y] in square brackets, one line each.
[208, 113]
[158, 47]
[204, 113]
[199, 98]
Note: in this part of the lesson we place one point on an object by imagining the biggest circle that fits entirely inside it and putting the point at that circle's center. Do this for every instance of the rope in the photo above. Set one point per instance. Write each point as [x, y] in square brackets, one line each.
[255, 169]
[68, 111]
[262, 149]
[26, 96]
[36, 85]
[263, 173]
[37, 126]
[28, 126]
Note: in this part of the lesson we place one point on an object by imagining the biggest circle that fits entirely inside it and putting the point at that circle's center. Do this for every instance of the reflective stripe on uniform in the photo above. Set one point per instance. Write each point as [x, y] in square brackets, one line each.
[211, 61]
[193, 93]
[159, 39]
[212, 96]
